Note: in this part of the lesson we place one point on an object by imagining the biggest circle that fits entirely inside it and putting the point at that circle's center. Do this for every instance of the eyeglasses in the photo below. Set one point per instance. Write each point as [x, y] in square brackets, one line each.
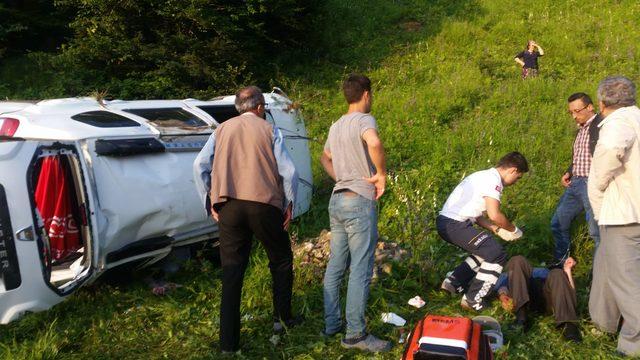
[577, 111]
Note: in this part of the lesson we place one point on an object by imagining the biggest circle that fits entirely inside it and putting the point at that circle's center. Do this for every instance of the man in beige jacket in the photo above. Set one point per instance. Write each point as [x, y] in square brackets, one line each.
[614, 194]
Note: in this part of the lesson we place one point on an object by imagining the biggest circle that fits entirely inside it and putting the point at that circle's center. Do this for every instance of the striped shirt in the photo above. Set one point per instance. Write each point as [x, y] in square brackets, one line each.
[581, 155]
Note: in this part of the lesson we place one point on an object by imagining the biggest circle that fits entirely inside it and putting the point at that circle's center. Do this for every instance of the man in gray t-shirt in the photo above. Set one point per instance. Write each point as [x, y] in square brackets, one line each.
[350, 158]
[354, 157]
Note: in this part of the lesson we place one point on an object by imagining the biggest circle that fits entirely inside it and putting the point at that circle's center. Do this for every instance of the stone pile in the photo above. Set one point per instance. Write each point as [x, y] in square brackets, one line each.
[315, 252]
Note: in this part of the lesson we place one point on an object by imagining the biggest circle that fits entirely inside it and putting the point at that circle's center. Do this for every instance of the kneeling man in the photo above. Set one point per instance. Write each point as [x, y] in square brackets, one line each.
[477, 194]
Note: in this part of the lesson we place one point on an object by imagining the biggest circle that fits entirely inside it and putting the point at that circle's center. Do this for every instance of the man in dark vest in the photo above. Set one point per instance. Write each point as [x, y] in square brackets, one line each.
[248, 184]
[575, 199]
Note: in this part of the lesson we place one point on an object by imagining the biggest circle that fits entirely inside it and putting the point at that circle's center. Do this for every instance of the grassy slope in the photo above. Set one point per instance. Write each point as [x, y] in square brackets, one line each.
[449, 101]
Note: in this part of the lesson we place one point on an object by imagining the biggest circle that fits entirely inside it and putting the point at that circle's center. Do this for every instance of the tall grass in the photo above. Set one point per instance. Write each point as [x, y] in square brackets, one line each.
[449, 101]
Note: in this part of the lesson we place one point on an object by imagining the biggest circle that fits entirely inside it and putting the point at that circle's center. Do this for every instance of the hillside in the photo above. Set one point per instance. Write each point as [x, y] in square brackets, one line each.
[449, 100]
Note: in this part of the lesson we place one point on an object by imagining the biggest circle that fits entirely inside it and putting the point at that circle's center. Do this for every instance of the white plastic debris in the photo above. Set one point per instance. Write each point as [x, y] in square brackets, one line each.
[403, 336]
[275, 339]
[416, 302]
[393, 318]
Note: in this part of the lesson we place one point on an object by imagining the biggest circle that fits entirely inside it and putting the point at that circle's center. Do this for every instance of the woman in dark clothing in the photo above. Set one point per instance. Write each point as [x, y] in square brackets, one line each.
[528, 59]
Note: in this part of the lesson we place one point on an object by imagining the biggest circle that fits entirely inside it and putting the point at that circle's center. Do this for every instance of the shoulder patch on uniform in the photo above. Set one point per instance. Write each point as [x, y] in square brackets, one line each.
[499, 188]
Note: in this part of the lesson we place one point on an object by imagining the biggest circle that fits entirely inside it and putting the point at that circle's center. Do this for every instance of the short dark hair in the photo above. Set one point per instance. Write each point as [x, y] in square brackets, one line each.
[514, 159]
[586, 100]
[248, 98]
[354, 86]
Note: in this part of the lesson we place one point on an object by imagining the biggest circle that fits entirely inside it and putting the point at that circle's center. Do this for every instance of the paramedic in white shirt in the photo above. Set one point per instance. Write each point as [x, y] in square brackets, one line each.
[476, 200]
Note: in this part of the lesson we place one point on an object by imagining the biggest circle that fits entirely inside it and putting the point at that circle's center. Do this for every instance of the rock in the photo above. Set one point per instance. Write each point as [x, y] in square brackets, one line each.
[386, 268]
[315, 252]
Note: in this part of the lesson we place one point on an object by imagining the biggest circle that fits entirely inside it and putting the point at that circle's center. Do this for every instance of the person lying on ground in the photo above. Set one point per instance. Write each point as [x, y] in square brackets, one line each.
[523, 288]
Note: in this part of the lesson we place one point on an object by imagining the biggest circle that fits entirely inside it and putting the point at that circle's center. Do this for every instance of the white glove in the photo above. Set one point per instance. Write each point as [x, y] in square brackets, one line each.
[508, 235]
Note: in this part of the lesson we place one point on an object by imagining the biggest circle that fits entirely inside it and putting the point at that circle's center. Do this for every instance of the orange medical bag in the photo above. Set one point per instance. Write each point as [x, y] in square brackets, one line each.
[445, 337]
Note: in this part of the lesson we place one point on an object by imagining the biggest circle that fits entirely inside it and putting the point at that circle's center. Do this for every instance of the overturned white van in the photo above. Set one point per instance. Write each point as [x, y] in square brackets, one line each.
[116, 178]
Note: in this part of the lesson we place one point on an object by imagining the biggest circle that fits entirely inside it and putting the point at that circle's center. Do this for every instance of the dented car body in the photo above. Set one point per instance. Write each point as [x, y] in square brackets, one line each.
[129, 194]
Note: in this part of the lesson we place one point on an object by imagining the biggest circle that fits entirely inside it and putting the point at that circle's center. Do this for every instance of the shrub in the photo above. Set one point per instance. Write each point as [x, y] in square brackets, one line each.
[166, 48]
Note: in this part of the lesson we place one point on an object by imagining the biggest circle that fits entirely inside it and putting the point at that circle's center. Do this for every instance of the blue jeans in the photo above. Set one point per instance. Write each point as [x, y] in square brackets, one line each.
[573, 201]
[354, 236]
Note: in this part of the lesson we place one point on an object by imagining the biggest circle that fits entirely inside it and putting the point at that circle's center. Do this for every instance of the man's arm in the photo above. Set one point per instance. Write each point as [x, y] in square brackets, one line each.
[611, 148]
[487, 224]
[287, 171]
[202, 166]
[496, 216]
[565, 180]
[608, 162]
[327, 163]
[376, 153]
[518, 60]
[567, 268]
[540, 51]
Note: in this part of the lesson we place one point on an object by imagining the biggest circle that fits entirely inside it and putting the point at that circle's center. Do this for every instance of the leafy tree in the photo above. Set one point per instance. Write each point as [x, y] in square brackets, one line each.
[31, 25]
[168, 48]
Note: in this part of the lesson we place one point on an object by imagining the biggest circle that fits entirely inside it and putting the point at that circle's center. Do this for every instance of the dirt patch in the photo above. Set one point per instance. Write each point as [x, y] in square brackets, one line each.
[411, 26]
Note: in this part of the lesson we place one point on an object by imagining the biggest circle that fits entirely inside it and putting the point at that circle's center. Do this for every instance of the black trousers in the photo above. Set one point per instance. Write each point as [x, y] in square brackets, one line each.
[472, 240]
[553, 295]
[478, 273]
[239, 220]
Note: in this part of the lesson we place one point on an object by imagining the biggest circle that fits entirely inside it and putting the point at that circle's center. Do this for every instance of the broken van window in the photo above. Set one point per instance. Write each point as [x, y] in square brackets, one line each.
[220, 113]
[170, 117]
[104, 119]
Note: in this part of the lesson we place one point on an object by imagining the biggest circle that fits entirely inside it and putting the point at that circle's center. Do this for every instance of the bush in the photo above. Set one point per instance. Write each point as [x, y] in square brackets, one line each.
[31, 25]
[166, 48]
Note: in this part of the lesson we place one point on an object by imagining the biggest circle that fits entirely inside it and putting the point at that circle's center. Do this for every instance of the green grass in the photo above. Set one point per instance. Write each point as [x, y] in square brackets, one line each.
[449, 101]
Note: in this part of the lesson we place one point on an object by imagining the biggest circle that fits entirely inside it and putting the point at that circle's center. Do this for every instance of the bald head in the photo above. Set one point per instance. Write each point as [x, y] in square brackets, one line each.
[249, 99]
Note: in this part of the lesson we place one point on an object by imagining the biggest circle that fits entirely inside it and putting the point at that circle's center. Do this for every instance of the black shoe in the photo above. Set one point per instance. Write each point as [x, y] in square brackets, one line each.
[571, 332]
[280, 326]
[521, 324]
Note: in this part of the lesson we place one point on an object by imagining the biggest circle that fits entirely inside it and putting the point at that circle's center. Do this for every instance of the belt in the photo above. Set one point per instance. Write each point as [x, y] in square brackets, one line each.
[346, 191]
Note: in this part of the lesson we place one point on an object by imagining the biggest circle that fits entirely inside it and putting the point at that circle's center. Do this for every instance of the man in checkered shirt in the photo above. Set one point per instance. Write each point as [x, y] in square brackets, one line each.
[575, 199]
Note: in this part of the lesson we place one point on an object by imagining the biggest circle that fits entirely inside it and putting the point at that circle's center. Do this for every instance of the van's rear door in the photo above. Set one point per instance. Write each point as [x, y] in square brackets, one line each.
[22, 274]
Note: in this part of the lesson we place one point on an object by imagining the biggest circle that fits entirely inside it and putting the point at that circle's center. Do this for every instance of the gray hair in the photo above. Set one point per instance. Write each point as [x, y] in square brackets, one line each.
[617, 91]
[249, 98]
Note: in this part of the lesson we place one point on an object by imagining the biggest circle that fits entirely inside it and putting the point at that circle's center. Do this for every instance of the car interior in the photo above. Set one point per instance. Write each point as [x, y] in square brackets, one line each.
[60, 206]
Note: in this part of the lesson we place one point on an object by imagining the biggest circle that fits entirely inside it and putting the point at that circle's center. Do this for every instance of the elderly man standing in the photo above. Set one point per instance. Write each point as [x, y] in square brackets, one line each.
[575, 199]
[614, 193]
[248, 183]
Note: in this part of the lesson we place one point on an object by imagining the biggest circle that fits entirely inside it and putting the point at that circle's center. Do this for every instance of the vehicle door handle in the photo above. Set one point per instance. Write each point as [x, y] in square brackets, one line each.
[25, 234]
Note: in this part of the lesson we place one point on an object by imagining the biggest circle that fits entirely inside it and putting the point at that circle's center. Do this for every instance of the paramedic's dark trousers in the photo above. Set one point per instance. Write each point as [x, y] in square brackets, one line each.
[239, 221]
[478, 273]
[553, 295]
